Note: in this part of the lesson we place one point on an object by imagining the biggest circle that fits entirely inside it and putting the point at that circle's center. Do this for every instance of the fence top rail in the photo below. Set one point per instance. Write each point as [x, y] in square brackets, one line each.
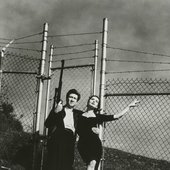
[75, 66]
[19, 72]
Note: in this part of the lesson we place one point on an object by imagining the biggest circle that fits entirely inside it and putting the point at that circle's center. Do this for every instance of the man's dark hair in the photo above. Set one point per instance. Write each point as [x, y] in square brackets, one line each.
[73, 91]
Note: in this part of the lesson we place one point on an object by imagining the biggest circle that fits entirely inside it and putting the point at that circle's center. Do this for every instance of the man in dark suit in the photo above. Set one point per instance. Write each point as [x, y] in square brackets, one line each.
[62, 124]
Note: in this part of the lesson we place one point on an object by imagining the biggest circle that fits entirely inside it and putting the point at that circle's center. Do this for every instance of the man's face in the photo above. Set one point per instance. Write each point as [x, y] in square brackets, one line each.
[72, 100]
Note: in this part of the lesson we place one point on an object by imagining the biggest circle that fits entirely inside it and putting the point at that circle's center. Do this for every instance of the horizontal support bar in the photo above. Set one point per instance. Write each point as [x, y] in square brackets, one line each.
[19, 72]
[76, 66]
[136, 94]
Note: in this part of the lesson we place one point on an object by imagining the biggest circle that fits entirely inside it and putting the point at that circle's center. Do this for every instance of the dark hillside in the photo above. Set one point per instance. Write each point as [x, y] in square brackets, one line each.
[120, 160]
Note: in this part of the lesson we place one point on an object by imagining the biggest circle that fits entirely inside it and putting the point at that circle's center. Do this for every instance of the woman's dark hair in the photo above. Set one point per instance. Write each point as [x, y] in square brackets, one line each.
[73, 91]
[98, 108]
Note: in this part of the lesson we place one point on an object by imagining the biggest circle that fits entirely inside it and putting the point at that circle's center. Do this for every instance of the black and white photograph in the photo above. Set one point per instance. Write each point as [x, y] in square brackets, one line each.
[84, 85]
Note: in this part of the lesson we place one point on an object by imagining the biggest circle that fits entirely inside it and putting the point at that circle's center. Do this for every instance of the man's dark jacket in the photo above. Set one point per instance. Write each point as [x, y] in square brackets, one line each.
[60, 143]
[55, 121]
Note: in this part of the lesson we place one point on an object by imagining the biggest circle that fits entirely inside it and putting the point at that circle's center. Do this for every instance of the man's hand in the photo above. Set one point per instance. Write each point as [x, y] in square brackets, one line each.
[59, 106]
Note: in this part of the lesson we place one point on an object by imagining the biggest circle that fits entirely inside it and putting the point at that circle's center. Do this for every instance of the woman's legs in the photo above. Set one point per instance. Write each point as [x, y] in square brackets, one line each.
[91, 165]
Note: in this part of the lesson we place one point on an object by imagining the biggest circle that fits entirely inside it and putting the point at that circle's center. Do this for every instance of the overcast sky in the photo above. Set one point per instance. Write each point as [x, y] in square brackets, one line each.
[137, 24]
[141, 24]
[133, 24]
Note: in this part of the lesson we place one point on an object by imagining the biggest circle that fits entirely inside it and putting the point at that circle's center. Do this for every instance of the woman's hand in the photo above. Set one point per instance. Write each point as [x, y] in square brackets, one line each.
[95, 130]
[134, 103]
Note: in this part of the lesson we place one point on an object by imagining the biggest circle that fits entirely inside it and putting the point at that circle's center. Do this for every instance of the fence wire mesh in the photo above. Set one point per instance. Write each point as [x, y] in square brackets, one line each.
[144, 130]
[19, 97]
[19, 86]
[79, 78]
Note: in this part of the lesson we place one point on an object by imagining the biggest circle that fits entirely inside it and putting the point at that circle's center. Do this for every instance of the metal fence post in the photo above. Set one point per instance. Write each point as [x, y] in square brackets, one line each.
[95, 67]
[36, 131]
[41, 74]
[46, 105]
[48, 85]
[1, 58]
[102, 76]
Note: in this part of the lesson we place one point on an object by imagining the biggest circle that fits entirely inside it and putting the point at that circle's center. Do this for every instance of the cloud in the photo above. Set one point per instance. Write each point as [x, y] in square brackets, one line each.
[133, 24]
[144, 22]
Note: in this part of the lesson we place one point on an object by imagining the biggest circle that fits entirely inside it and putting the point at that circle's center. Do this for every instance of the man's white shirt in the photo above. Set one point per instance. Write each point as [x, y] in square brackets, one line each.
[68, 119]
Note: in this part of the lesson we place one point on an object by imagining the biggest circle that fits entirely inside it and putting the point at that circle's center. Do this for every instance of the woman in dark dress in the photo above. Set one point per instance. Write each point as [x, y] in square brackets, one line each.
[89, 144]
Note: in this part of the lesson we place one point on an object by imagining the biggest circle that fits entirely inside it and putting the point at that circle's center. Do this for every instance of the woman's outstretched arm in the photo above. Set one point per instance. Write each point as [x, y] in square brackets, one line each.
[133, 104]
[100, 118]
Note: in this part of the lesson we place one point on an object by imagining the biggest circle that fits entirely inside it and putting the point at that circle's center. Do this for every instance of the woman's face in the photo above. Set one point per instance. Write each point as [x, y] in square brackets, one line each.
[94, 102]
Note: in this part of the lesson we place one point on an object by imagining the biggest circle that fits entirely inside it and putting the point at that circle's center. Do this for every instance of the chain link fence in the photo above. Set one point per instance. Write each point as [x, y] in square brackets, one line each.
[140, 139]
[19, 91]
[77, 77]
[19, 97]
[19, 86]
